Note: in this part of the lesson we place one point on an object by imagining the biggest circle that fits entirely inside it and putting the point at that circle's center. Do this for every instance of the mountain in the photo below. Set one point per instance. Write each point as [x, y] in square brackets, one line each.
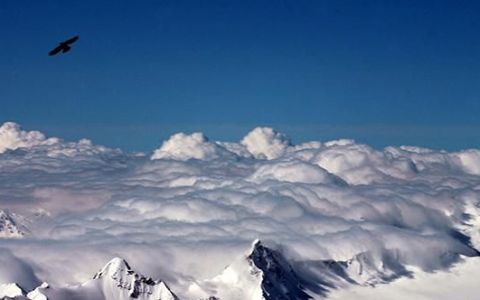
[118, 281]
[37, 294]
[279, 280]
[9, 227]
[115, 281]
[261, 274]
[458, 282]
[10, 290]
[364, 270]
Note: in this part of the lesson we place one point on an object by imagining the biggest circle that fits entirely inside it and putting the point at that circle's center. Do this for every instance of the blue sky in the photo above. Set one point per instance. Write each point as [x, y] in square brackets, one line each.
[381, 72]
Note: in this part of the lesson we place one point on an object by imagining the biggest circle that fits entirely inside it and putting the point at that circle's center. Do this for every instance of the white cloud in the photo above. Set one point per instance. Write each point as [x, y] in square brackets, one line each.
[294, 171]
[183, 146]
[195, 205]
[13, 137]
[469, 161]
[264, 142]
[15, 270]
[360, 164]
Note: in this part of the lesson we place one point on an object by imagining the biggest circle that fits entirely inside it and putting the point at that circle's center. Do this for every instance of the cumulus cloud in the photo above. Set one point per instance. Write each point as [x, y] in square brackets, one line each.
[264, 142]
[195, 205]
[469, 161]
[361, 164]
[294, 171]
[13, 137]
[183, 146]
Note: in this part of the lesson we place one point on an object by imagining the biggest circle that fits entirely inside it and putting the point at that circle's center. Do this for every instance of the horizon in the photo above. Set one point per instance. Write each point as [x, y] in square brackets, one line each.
[153, 136]
[383, 73]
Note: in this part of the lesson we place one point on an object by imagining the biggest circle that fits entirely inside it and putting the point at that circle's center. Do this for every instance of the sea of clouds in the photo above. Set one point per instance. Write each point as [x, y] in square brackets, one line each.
[192, 206]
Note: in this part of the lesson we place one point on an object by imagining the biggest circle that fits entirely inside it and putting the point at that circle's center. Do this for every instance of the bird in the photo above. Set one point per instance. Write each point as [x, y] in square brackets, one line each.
[64, 46]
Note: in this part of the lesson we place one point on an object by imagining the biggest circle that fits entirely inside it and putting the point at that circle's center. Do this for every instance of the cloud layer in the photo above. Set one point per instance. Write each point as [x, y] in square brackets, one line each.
[194, 205]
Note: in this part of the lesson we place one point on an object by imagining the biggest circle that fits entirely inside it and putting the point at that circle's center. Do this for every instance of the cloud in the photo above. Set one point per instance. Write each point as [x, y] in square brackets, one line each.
[294, 171]
[182, 146]
[469, 161]
[15, 270]
[13, 137]
[361, 164]
[264, 142]
[195, 205]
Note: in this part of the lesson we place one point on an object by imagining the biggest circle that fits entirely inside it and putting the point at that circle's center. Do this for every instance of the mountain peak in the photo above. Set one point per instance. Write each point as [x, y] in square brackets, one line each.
[118, 279]
[261, 274]
[37, 293]
[255, 246]
[115, 281]
[9, 227]
[10, 290]
[114, 268]
[279, 279]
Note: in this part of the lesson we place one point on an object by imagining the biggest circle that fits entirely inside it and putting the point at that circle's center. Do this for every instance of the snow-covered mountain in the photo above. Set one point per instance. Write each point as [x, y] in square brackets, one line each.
[118, 281]
[9, 227]
[261, 274]
[37, 294]
[10, 290]
[459, 282]
[279, 280]
[115, 281]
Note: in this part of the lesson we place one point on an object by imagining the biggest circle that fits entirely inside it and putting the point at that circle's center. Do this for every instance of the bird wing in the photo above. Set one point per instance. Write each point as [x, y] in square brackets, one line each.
[71, 40]
[66, 49]
[56, 50]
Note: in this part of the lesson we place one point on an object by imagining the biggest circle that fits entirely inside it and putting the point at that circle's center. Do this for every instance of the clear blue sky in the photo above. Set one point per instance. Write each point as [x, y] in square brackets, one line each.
[382, 72]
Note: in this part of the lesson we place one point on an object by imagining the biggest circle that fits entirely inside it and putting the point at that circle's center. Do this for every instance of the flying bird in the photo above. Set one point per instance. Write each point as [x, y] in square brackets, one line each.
[64, 46]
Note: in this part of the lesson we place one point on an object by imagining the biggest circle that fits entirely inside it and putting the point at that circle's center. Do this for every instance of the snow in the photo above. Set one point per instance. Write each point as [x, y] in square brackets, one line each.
[8, 226]
[260, 274]
[119, 281]
[115, 281]
[241, 280]
[460, 282]
[10, 290]
[37, 294]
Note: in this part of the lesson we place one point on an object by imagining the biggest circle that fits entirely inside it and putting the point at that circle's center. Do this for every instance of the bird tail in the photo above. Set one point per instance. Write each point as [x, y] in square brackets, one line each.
[66, 49]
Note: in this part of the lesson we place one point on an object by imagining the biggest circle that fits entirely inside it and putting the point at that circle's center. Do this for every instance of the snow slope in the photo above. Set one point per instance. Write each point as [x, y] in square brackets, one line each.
[261, 274]
[460, 282]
